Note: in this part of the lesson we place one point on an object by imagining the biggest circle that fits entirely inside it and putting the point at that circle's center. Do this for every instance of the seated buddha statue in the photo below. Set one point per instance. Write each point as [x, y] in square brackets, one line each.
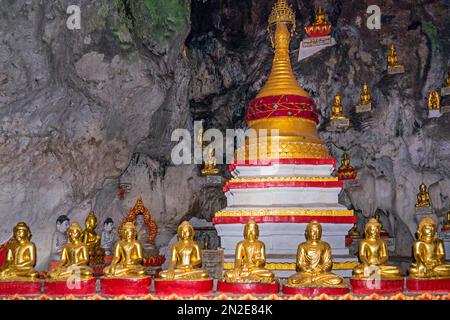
[250, 259]
[433, 100]
[365, 97]
[345, 165]
[429, 253]
[345, 170]
[128, 255]
[314, 261]
[93, 240]
[446, 225]
[74, 259]
[373, 255]
[392, 60]
[337, 110]
[320, 26]
[423, 197]
[20, 256]
[185, 257]
[210, 163]
[447, 82]
[354, 232]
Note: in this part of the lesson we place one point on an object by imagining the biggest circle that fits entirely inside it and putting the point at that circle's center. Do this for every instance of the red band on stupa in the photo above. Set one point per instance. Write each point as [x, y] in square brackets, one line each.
[282, 106]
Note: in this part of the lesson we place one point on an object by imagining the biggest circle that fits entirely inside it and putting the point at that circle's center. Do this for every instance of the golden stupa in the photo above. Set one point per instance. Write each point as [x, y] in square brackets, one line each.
[282, 104]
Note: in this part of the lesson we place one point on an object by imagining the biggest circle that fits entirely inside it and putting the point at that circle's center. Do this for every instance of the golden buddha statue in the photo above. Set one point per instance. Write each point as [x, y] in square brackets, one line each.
[74, 258]
[345, 170]
[250, 259]
[433, 100]
[314, 261]
[429, 253]
[185, 257]
[345, 163]
[337, 110]
[365, 97]
[320, 26]
[373, 255]
[392, 60]
[210, 163]
[448, 79]
[378, 217]
[20, 256]
[423, 197]
[93, 240]
[128, 255]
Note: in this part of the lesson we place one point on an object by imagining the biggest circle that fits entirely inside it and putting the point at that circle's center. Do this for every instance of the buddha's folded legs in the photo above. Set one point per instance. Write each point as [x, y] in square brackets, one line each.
[442, 270]
[328, 280]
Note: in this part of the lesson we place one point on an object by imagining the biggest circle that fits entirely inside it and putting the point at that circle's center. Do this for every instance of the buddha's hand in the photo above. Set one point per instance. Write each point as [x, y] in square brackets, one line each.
[170, 274]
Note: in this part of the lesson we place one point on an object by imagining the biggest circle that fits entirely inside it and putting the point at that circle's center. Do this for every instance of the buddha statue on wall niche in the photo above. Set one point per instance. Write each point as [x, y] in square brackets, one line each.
[365, 97]
[423, 197]
[433, 100]
[429, 253]
[74, 259]
[320, 27]
[250, 259]
[337, 110]
[392, 59]
[185, 257]
[20, 256]
[373, 255]
[128, 255]
[314, 261]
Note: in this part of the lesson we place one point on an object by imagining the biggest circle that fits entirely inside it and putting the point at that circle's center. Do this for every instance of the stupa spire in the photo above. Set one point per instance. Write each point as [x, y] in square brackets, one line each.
[280, 27]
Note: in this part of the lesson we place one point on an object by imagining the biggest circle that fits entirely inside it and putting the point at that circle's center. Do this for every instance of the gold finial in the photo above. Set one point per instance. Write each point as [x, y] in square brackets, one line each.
[281, 80]
[281, 13]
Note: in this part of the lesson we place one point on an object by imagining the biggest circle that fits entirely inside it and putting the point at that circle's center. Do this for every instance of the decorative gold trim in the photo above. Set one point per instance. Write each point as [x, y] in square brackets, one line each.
[287, 179]
[284, 212]
[290, 266]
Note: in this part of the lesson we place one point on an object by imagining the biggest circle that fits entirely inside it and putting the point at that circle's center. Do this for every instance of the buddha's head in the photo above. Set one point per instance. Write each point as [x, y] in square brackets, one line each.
[62, 223]
[365, 88]
[337, 100]
[426, 230]
[185, 231]
[22, 232]
[372, 229]
[320, 15]
[91, 221]
[313, 231]
[74, 232]
[423, 187]
[392, 49]
[108, 225]
[129, 232]
[251, 231]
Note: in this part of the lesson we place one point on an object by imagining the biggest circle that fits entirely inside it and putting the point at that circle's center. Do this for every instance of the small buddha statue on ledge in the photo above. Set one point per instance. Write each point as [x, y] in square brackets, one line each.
[20, 257]
[92, 240]
[448, 79]
[320, 27]
[108, 237]
[74, 259]
[373, 255]
[250, 259]
[210, 167]
[128, 255]
[445, 90]
[365, 99]
[429, 253]
[185, 257]
[392, 62]
[433, 100]
[378, 217]
[345, 170]
[337, 110]
[314, 261]
[423, 197]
